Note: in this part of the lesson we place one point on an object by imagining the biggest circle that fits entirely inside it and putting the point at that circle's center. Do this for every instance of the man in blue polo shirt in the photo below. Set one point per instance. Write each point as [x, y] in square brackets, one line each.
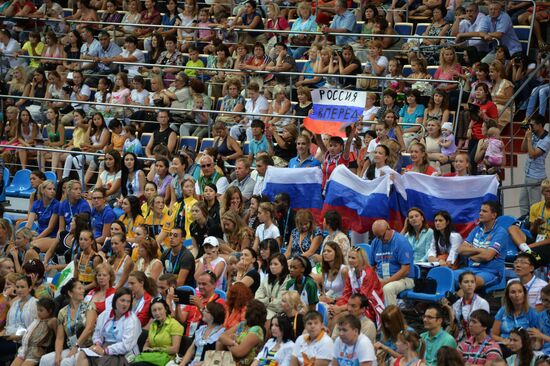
[483, 247]
[102, 215]
[344, 22]
[392, 257]
[501, 28]
[304, 159]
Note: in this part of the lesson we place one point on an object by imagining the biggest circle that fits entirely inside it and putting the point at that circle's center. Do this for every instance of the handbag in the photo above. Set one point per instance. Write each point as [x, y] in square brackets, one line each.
[154, 358]
[425, 285]
[218, 358]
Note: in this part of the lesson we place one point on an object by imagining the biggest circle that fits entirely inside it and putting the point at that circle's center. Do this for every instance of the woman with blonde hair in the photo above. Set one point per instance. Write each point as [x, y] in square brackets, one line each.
[18, 87]
[501, 93]
[293, 308]
[104, 279]
[236, 234]
[44, 211]
[305, 22]
[279, 106]
[449, 69]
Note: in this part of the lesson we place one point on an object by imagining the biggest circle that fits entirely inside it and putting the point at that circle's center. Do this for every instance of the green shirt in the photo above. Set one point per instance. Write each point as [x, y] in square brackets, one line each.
[309, 290]
[162, 337]
[433, 344]
[191, 63]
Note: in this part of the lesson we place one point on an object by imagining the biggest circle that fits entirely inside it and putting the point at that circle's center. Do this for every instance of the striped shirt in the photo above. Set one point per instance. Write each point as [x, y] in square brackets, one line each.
[475, 353]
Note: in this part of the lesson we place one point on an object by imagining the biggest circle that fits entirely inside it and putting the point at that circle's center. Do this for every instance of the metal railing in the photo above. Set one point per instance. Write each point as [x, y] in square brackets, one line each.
[510, 101]
[182, 67]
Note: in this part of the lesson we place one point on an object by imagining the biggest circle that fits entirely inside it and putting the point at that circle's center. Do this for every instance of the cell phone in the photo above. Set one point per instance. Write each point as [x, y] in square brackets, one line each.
[184, 296]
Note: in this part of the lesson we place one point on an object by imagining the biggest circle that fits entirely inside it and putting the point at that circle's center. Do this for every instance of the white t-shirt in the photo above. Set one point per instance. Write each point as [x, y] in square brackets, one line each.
[140, 58]
[463, 310]
[252, 107]
[318, 349]
[351, 355]
[271, 232]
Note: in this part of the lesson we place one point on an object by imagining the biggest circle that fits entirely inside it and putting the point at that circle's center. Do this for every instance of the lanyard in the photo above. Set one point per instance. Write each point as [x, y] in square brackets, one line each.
[173, 269]
[349, 356]
[72, 330]
[112, 329]
[137, 304]
[480, 349]
[286, 224]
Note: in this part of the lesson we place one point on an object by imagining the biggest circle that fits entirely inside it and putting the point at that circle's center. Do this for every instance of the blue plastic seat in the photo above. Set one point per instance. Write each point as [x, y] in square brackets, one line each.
[21, 182]
[322, 309]
[366, 247]
[191, 142]
[206, 143]
[445, 282]
[187, 288]
[6, 179]
[221, 294]
[416, 275]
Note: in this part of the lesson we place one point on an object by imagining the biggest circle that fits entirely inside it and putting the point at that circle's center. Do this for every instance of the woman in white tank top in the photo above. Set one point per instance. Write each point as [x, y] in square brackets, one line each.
[333, 273]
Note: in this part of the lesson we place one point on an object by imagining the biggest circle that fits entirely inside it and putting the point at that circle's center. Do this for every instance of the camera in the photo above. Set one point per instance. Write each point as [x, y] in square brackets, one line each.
[526, 126]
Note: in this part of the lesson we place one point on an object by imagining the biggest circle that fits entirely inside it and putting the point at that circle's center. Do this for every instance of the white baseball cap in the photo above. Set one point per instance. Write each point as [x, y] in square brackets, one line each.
[211, 240]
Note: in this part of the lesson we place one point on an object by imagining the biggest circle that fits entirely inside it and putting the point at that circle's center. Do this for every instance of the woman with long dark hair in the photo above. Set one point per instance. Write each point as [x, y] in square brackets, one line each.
[333, 273]
[109, 179]
[247, 271]
[268, 247]
[65, 247]
[131, 218]
[132, 180]
[521, 347]
[446, 241]
[279, 347]
[418, 233]
[273, 287]
[301, 281]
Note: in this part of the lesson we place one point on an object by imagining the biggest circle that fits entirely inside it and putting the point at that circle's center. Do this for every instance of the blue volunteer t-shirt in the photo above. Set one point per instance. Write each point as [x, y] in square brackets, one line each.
[68, 211]
[397, 252]
[100, 218]
[544, 327]
[493, 239]
[44, 214]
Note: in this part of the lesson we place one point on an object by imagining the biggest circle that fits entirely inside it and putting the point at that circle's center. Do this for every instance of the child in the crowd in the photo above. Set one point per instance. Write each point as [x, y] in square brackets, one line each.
[194, 61]
[267, 229]
[202, 119]
[258, 143]
[223, 34]
[447, 140]
[40, 335]
[118, 135]
[103, 95]
[336, 153]
[204, 36]
[394, 72]
[314, 345]
[494, 152]
[132, 144]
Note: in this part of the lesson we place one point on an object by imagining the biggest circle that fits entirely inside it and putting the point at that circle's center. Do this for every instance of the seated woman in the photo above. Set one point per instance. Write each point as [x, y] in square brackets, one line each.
[104, 278]
[109, 179]
[279, 347]
[245, 339]
[164, 336]
[411, 117]
[301, 281]
[148, 251]
[132, 179]
[514, 313]
[238, 296]
[445, 243]
[449, 69]
[120, 260]
[345, 63]
[75, 325]
[361, 279]
[392, 323]
[116, 333]
[501, 92]
[44, 211]
[306, 237]
[21, 251]
[20, 316]
[419, 159]
[311, 67]
[273, 288]
[207, 335]
[131, 218]
[522, 348]
[285, 149]
[333, 273]
[418, 233]
[40, 286]
[86, 261]
[304, 23]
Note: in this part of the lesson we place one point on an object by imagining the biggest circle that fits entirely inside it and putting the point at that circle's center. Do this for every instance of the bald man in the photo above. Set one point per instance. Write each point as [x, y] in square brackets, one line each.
[392, 256]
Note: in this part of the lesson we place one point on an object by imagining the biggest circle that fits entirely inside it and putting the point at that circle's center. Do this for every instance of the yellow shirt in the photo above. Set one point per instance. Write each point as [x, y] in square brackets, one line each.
[145, 210]
[191, 63]
[131, 225]
[539, 211]
[35, 63]
[188, 202]
[79, 137]
[118, 141]
[164, 225]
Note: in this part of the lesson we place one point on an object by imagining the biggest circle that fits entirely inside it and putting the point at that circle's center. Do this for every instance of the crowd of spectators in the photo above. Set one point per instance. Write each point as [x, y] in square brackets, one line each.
[173, 255]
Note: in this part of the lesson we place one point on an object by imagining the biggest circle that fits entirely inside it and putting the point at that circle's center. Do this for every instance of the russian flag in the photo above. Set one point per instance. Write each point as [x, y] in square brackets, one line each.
[460, 196]
[303, 185]
[333, 109]
[359, 201]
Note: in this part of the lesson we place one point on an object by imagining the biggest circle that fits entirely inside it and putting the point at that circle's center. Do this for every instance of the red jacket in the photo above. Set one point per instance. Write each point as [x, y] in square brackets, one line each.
[369, 285]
